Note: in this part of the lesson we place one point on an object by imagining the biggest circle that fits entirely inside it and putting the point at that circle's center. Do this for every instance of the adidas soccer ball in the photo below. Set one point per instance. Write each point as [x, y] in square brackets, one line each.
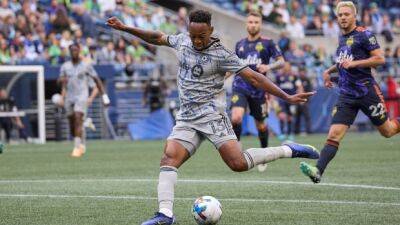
[207, 210]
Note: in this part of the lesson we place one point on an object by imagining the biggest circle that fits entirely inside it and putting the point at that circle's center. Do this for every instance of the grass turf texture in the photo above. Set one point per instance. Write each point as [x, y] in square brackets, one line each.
[115, 183]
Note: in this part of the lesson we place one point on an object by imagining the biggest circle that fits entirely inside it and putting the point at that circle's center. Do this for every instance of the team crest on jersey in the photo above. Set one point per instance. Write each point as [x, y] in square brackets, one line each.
[372, 40]
[259, 47]
[235, 98]
[205, 59]
[197, 70]
[350, 41]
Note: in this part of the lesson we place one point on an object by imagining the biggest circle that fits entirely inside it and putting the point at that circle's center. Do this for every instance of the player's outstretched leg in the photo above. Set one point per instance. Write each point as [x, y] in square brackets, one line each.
[240, 161]
[336, 133]
[174, 156]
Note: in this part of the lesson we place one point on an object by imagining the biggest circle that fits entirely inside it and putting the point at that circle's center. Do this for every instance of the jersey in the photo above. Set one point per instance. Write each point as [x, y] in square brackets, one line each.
[356, 45]
[80, 79]
[253, 53]
[201, 77]
[288, 83]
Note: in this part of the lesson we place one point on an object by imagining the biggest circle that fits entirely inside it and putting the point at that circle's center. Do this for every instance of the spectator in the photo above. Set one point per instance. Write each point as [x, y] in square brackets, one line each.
[85, 22]
[396, 26]
[66, 39]
[303, 109]
[310, 9]
[266, 7]
[107, 54]
[294, 55]
[5, 10]
[315, 25]
[5, 54]
[282, 10]
[376, 18]
[60, 21]
[330, 29]
[168, 26]
[8, 27]
[387, 29]
[295, 28]
[284, 42]
[295, 9]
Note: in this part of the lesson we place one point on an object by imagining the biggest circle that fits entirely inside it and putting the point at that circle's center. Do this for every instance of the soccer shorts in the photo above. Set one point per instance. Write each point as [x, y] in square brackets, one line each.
[190, 134]
[258, 106]
[75, 106]
[372, 105]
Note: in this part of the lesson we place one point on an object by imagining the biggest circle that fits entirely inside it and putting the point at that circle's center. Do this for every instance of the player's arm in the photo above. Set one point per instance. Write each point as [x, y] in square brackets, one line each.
[149, 36]
[62, 81]
[327, 76]
[93, 95]
[377, 58]
[277, 64]
[262, 82]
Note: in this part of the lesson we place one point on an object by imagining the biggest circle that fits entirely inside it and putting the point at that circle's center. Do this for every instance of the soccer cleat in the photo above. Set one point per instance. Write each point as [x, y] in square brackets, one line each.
[311, 171]
[262, 167]
[160, 219]
[302, 151]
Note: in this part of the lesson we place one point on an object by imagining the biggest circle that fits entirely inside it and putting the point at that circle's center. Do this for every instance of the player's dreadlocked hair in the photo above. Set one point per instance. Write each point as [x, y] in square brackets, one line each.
[200, 16]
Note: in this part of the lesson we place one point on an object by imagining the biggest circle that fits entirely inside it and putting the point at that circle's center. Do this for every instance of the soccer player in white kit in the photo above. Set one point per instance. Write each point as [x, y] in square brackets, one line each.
[203, 62]
[76, 78]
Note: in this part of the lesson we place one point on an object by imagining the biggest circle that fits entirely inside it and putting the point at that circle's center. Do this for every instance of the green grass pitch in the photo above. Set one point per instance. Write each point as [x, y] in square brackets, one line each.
[115, 184]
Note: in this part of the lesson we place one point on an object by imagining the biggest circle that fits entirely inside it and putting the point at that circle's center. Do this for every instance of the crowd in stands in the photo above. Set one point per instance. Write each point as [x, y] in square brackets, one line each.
[317, 17]
[40, 31]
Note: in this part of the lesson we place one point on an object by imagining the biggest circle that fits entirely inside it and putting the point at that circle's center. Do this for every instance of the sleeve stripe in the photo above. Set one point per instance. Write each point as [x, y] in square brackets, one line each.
[238, 71]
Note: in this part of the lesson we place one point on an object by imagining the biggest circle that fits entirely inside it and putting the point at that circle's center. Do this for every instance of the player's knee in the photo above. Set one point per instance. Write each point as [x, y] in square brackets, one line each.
[334, 135]
[167, 160]
[238, 165]
[261, 127]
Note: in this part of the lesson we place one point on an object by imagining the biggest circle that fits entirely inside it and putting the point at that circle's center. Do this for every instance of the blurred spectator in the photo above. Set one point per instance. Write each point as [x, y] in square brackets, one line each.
[330, 29]
[283, 11]
[66, 39]
[168, 26]
[295, 28]
[295, 9]
[85, 22]
[294, 55]
[396, 26]
[284, 42]
[315, 25]
[310, 9]
[376, 18]
[387, 29]
[107, 54]
[5, 10]
[60, 21]
[266, 7]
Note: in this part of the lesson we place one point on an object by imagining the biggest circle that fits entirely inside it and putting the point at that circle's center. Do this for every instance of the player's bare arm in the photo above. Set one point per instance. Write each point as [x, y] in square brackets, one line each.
[149, 36]
[375, 60]
[327, 76]
[260, 81]
[279, 63]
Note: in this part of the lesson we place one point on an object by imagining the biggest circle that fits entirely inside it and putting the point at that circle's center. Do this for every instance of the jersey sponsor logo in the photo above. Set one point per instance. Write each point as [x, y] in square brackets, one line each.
[350, 41]
[197, 70]
[251, 60]
[241, 49]
[344, 56]
[259, 47]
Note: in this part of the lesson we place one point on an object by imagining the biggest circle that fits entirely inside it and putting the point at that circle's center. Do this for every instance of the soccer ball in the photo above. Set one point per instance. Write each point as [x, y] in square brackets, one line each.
[56, 99]
[207, 210]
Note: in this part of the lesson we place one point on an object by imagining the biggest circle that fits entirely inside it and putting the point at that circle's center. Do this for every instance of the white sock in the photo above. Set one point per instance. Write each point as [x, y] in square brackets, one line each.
[256, 156]
[166, 187]
[77, 142]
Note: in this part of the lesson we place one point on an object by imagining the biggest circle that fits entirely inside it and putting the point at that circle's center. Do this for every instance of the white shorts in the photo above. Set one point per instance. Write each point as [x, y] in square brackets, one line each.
[190, 134]
[75, 106]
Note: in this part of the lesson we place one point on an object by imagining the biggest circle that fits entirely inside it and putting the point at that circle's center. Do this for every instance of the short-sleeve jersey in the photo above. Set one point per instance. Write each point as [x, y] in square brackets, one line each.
[201, 77]
[80, 79]
[252, 53]
[355, 45]
[288, 83]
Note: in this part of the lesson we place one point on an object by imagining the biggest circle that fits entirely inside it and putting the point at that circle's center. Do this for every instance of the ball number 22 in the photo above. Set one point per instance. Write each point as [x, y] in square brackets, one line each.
[377, 110]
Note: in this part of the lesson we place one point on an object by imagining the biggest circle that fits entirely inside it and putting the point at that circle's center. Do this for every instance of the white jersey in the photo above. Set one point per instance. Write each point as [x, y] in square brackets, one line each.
[80, 79]
[201, 77]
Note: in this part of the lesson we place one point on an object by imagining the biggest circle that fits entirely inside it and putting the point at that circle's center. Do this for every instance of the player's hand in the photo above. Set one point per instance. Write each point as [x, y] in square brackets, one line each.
[300, 98]
[262, 68]
[61, 102]
[115, 23]
[106, 100]
[327, 80]
[347, 64]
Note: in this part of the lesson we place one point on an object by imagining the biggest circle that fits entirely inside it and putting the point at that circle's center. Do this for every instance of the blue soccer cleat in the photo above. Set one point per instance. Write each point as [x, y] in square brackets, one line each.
[160, 219]
[303, 151]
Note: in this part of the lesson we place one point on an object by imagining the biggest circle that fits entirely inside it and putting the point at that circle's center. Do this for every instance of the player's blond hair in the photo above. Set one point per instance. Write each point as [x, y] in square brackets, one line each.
[349, 4]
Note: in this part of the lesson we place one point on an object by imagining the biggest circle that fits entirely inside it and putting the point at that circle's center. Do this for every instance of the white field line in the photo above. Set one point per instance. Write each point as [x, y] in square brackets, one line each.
[266, 182]
[146, 198]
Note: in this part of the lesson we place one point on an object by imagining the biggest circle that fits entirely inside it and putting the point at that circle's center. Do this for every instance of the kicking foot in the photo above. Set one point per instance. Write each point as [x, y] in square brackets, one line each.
[311, 171]
[303, 151]
[160, 219]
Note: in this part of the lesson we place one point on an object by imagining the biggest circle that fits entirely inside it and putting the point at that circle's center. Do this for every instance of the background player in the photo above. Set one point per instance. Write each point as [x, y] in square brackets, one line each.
[256, 52]
[76, 78]
[287, 80]
[357, 53]
[203, 64]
